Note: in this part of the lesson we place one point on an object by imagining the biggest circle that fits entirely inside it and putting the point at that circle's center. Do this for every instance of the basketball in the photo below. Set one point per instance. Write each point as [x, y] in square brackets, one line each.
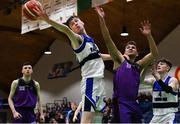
[28, 11]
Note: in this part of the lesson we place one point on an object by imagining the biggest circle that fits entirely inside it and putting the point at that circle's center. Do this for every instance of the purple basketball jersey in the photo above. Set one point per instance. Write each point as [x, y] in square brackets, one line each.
[25, 95]
[126, 81]
[126, 84]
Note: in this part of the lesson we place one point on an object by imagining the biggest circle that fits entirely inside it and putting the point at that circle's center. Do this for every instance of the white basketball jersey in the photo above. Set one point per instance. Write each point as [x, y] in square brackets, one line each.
[163, 102]
[93, 67]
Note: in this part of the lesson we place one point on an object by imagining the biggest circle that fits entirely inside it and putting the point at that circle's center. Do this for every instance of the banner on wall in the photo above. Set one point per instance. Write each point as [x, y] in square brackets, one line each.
[59, 11]
[60, 70]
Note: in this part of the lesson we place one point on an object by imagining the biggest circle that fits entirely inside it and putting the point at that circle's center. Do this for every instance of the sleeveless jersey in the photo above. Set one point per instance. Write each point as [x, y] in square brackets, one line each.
[163, 102]
[88, 54]
[25, 94]
[126, 81]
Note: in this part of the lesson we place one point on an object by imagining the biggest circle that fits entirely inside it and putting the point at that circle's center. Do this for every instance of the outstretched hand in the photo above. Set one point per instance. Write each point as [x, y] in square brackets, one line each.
[40, 12]
[155, 73]
[145, 27]
[126, 56]
[100, 11]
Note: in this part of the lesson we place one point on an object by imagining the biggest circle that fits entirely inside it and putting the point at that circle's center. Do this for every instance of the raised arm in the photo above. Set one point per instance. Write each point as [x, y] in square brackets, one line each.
[146, 81]
[112, 49]
[74, 38]
[106, 57]
[16, 115]
[146, 31]
[171, 87]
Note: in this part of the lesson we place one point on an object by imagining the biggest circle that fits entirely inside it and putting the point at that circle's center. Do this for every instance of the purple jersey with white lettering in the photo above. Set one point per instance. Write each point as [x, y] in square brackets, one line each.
[126, 84]
[126, 81]
[25, 94]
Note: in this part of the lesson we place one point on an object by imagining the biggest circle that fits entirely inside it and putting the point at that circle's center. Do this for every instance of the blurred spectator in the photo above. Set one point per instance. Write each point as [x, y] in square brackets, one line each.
[70, 115]
[53, 121]
[46, 117]
[107, 115]
[145, 104]
[78, 111]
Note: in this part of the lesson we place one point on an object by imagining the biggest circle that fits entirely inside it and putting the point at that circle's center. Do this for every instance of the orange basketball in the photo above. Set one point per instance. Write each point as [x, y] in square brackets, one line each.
[28, 11]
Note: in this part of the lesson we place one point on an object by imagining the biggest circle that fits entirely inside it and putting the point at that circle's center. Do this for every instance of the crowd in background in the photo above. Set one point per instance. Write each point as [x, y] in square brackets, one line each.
[57, 112]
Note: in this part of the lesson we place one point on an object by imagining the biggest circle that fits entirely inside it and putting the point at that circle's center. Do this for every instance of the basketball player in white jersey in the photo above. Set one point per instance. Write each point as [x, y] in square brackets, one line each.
[165, 93]
[91, 62]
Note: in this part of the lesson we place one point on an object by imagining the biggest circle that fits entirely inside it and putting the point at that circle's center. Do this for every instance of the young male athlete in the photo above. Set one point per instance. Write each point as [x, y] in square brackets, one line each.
[127, 72]
[91, 61]
[24, 94]
[165, 93]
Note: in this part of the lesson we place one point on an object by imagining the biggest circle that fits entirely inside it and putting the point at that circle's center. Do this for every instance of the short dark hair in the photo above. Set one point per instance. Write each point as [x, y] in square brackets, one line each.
[131, 43]
[26, 63]
[165, 61]
[70, 19]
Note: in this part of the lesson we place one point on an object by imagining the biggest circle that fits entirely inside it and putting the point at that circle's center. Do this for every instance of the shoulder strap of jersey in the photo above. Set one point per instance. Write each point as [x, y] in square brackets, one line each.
[167, 79]
[19, 83]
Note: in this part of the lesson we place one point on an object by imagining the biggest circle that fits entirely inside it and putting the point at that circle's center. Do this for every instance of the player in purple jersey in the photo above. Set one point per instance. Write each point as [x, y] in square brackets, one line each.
[127, 72]
[24, 95]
